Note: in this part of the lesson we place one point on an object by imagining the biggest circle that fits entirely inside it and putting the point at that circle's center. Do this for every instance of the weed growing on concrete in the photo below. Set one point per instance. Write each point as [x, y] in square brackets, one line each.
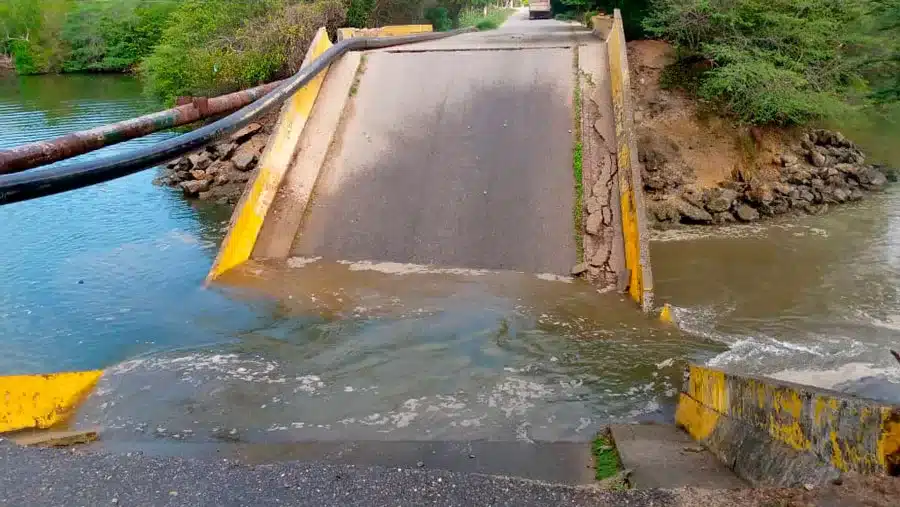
[477, 17]
[354, 88]
[606, 459]
[577, 169]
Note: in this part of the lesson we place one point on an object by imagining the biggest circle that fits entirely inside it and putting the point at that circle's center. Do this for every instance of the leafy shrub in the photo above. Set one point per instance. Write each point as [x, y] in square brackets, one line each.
[770, 61]
[214, 48]
[358, 12]
[476, 17]
[113, 36]
[439, 18]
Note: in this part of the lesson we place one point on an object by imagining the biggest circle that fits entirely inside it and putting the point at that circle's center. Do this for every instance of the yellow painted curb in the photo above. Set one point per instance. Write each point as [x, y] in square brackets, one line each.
[634, 232]
[41, 401]
[383, 31]
[276, 159]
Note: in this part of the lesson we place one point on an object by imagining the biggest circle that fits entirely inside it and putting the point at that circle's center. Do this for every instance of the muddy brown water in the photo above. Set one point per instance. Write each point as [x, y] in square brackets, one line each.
[111, 277]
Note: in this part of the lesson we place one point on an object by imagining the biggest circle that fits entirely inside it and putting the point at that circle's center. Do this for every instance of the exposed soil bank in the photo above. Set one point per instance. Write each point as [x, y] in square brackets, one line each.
[699, 168]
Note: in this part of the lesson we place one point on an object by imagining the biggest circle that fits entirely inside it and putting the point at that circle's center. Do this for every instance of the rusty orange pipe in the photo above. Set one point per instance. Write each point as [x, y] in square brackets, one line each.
[27, 156]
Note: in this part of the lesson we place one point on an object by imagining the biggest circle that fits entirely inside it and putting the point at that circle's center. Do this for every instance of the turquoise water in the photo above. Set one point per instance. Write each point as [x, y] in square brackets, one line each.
[95, 276]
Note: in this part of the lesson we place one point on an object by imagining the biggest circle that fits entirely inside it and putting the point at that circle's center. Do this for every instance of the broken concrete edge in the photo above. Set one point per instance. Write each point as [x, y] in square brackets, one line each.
[250, 212]
[777, 433]
[382, 31]
[634, 227]
[54, 438]
[43, 400]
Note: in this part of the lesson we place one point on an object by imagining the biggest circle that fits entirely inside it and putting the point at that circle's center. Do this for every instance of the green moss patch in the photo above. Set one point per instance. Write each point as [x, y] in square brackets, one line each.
[606, 458]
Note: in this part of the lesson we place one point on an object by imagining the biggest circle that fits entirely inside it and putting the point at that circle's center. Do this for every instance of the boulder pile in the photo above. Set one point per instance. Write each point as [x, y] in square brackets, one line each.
[221, 170]
[825, 169]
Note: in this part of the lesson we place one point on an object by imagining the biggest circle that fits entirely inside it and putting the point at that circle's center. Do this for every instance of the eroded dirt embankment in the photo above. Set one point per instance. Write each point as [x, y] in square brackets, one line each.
[701, 168]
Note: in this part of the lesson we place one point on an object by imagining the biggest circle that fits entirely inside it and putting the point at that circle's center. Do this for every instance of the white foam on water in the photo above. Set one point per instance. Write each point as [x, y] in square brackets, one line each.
[299, 262]
[741, 349]
[515, 396]
[831, 379]
[749, 348]
[397, 268]
[550, 277]
[200, 368]
[757, 230]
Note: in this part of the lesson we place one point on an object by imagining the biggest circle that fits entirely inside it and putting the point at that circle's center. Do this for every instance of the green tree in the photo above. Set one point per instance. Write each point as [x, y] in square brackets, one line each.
[772, 61]
[30, 31]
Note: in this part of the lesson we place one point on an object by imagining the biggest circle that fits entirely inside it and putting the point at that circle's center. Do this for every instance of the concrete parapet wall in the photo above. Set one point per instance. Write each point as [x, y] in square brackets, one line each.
[383, 31]
[42, 401]
[634, 229]
[251, 211]
[784, 434]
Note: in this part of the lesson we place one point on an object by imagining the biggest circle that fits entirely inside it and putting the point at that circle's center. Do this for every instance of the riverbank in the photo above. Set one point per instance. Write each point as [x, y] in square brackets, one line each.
[220, 171]
[702, 168]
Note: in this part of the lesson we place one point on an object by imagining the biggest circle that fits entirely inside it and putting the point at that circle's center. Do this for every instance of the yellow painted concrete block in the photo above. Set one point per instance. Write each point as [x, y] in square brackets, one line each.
[699, 421]
[393, 30]
[41, 401]
[250, 213]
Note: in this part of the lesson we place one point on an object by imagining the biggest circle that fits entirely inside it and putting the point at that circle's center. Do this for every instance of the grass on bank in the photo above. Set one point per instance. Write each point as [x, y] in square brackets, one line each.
[606, 458]
[476, 17]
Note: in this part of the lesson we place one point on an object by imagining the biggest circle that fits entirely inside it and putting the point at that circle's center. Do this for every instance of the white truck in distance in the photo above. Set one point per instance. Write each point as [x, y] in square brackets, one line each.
[538, 9]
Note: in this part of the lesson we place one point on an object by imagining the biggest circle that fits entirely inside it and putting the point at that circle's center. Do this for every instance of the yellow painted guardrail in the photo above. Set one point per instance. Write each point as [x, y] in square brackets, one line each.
[634, 229]
[770, 430]
[384, 31]
[251, 211]
[42, 401]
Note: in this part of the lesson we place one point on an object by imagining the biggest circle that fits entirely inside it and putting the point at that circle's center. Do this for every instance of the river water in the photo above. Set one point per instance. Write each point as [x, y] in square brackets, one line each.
[112, 277]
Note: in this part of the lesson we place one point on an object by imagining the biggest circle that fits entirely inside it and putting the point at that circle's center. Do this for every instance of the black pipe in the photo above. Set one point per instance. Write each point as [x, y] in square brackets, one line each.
[43, 182]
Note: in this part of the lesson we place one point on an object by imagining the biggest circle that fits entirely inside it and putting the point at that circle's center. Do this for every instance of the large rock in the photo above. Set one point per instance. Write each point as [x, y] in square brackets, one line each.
[799, 177]
[760, 192]
[245, 159]
[691, 213]
[195, 187]
[179, 176]
[663, 211]
[816, 158]
[245, 133]
[871, 178]
[725, 217]
[788, 160]
[199, 160]
[694, 196]
[780, 206]
[782, 187]
[225, 150]
[746, 214]
[720, 199]
[199, 174]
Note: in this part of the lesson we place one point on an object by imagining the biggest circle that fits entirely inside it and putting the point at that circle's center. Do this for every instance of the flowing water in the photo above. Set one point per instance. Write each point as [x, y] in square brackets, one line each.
[112, 277]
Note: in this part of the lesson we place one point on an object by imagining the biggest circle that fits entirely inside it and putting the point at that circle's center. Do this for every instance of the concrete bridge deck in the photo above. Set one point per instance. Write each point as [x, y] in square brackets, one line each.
[456, 152]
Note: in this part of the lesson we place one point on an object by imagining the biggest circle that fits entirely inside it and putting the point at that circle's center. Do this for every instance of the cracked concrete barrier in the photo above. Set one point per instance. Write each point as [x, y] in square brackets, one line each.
[630, 186]
[42, 401]
[783, 434]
